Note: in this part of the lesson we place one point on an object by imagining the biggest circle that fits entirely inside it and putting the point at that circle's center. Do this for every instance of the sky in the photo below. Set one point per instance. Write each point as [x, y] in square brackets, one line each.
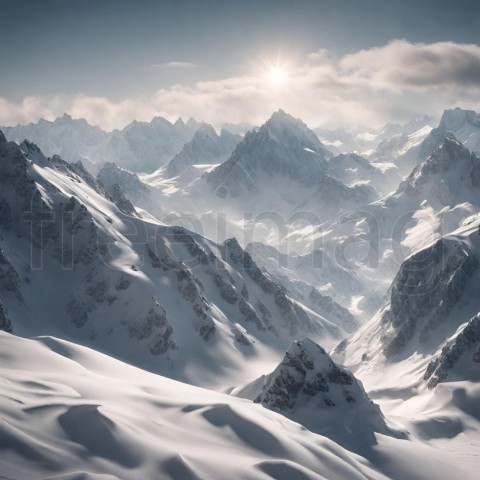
[331, 62]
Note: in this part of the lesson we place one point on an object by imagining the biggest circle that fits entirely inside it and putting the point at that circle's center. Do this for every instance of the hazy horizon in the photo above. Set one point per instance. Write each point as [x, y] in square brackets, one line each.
[330, 63]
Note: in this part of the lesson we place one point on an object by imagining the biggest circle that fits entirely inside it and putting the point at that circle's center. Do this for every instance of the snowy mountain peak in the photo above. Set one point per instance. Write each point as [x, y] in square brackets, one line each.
[64, 118]
[283, 146]
[281, 116]
[161, 121]
[307, 374]
[450, 153]
[192, 123]
[179, 123]
[206, 130]
[285, 128]
[33, 152]
[112, 176]
[13, 162]
[464, 124]
[206, 147]
[446, 173]
[309, 387]
[456, 118]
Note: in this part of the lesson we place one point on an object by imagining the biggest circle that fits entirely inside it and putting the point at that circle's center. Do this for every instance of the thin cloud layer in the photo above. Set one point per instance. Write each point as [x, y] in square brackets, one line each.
[390, 83]
[175, 64]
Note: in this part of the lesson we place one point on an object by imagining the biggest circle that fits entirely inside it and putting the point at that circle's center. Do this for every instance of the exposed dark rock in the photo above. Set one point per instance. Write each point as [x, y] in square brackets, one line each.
[121, 201]
[9, 280]
[5, 323]
[78, 310]
[154, 326]
[467, 340]
[424, 291]
[308, 371]
[294, 317]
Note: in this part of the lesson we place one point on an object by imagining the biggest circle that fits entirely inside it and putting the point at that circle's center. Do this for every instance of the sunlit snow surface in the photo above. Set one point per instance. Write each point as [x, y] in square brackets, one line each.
[68, 412]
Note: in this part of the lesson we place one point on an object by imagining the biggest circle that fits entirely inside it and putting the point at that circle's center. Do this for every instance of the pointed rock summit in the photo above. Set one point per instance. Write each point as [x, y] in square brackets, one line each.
[310, 388]
[206, 147]
[282, 147]
[450, 169]
[464, 124]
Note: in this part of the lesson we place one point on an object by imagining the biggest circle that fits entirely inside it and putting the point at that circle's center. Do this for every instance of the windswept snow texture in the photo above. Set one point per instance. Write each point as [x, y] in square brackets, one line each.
[68, 412]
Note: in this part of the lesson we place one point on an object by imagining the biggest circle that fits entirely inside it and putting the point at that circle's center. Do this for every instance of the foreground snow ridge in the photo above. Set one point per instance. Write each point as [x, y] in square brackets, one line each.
[70, 413]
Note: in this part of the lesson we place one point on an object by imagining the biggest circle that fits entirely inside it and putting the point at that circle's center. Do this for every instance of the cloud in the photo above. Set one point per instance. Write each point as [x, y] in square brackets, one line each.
[175, 64]
[401, 65]
[394, 82]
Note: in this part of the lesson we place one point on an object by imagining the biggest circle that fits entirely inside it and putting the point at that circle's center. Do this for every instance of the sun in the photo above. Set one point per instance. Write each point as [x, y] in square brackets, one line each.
[277, 75]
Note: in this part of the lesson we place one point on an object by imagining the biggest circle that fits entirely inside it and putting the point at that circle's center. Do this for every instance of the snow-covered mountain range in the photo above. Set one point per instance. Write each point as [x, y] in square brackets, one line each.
[166, 291]
[140, 146]
[318, 303]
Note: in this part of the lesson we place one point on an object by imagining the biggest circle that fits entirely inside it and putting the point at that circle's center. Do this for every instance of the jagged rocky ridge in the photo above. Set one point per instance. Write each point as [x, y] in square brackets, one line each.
[140, 146]
[294, 317]
[206, 147]
[301, 272]
[164, 292]
[110, 175]
[309, 387]
[283, 146]
[427, 287]
[464, 124]
[459, 358]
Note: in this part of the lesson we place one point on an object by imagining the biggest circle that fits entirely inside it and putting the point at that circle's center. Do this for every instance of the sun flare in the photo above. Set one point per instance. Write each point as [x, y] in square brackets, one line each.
[277, 75]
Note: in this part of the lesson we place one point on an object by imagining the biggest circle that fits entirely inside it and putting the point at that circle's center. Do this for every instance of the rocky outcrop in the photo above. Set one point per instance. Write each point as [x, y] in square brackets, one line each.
[206, 147]
[5, 323]
[308, 371]
[179, 235]
[465, 345]
[154, 327]
[426, 288]
[310, 388]
[9, 280]
[132, 187]
[121, 201]
[294, 318]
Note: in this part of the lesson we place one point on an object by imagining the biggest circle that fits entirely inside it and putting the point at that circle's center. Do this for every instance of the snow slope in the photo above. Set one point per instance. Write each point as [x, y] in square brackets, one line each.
[72, 413]
[157, 296]
[68, 412]
[426, 334]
